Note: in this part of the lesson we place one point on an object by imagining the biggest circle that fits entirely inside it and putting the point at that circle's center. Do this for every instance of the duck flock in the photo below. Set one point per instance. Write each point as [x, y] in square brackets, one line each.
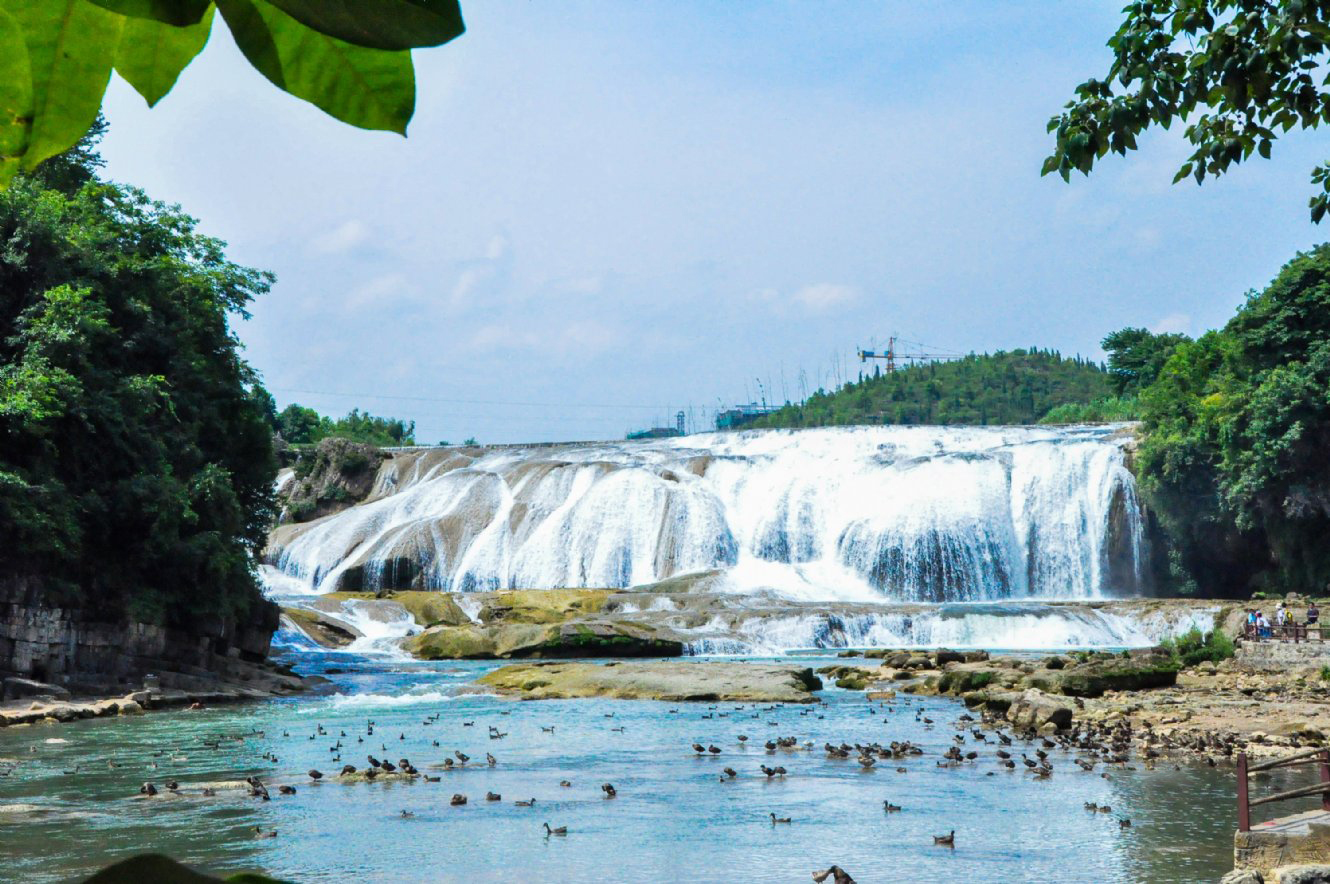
[360, 754]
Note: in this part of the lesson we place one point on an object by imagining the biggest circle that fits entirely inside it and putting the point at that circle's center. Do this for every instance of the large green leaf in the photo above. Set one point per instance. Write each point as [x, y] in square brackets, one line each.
[71, 45]
[383, 24]
[152, 55]
[369, 88]
[15, 96]
[180, 13]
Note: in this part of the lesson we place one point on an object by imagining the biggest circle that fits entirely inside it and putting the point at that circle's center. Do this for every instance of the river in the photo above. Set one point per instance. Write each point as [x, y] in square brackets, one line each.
[674, 819]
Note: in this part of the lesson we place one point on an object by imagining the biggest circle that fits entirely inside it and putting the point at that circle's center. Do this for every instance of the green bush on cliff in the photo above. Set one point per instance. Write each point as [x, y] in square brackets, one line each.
[136, 465]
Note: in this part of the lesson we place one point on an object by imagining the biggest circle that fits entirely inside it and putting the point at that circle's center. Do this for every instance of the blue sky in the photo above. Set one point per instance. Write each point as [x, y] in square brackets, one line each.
[605, 212]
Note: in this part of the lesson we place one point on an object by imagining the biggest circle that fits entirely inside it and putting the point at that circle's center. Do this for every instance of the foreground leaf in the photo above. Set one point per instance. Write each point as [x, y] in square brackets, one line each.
[369, 88]
[152, 55]
[387, 24]
[179, 13]
[15, 96]
[71, 45]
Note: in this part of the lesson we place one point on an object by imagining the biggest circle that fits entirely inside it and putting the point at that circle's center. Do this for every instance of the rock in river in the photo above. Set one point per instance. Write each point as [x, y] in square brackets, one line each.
[665, 680]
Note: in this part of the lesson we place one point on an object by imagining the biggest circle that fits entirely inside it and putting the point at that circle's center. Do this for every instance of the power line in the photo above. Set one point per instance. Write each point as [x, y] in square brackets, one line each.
[462, 401]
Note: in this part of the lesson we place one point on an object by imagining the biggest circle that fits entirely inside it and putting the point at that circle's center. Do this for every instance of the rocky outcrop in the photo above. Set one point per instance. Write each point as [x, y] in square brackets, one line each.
[595, 638]
[81, 651]
[1034, 709]
[337, 474]
[673, 681]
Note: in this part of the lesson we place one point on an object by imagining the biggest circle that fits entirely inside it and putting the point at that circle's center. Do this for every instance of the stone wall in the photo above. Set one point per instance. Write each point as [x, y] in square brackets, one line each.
[1277, 655]
[65, 646]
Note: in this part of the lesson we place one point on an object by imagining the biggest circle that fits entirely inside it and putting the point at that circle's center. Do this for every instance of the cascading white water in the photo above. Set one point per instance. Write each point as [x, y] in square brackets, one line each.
[845, 514]
[990, 626]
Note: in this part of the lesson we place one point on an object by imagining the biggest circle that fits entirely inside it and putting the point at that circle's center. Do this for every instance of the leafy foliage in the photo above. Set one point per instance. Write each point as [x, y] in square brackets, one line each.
[136, 466]
[1136, 356]
[1236, 429]
[350, 59]
[302, 426]
[1253, 69]
[1194, 647]
[1016, 387]
[1109, 409]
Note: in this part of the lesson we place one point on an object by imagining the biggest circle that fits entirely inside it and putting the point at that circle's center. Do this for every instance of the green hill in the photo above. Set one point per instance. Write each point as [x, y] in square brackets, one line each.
[1016, 387]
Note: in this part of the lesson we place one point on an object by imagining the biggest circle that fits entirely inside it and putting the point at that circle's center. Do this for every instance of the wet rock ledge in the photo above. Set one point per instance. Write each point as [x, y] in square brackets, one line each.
[662, 680]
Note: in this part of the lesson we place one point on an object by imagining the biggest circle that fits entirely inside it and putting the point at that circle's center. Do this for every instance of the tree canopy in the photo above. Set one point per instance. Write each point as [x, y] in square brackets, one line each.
[1236, 427]
[136, 463]
[298, 425]
[350, 58]
[1239, 73]
[1011, 387]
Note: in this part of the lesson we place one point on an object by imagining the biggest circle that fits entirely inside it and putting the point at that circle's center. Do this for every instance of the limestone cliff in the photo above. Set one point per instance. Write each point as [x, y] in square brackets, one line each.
[86, 651]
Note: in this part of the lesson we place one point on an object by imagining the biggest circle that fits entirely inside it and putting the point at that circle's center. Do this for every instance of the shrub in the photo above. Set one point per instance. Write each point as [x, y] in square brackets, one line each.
[1194, 647]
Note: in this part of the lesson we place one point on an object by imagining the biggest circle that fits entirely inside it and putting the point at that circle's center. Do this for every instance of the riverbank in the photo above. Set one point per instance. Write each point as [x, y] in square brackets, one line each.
[51, 704]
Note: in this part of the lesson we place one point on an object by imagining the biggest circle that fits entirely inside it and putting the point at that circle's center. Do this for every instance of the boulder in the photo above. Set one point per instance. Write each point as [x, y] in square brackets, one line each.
[1033, 709]
[1095, 677]
[1243, 876]
[944, 656]
[1319, 874]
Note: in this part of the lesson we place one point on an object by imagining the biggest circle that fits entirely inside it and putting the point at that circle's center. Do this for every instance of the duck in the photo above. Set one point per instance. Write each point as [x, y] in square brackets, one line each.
[835, 873]
[148, 789]
[458, 800]
[259, 833]
[566, 784]
[714, 750]
[461, 756]
[699, 748]
[947, 840]
[530, 803]
[1092, 807]
[490, 759]
[890, 808]
[318, 775]
[730, 772]
[778, 819]
[286, 790]
[347, 769]
[561, 830]
[608, 789]
[493, 796]
[1124, 823]
[406, 814]
[430, 779]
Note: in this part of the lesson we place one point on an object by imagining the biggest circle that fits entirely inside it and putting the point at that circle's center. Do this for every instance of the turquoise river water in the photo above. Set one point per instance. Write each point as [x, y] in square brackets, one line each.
[65, 810]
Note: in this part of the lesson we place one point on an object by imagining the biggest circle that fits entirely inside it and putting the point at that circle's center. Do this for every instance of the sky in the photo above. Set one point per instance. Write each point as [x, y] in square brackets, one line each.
[606, 212]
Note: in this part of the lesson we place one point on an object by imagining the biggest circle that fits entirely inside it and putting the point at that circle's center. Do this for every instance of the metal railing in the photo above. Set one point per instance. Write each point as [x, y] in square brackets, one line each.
[1319, 757]
[1289, 632]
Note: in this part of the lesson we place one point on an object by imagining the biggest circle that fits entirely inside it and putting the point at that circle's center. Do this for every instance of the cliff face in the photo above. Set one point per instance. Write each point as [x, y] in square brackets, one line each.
[80, 651]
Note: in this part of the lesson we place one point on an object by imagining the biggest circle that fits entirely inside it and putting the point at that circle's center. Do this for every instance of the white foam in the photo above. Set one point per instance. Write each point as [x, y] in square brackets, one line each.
[844, 514]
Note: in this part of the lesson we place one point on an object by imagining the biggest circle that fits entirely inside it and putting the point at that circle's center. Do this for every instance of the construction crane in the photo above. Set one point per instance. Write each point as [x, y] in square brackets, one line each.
[890, 355]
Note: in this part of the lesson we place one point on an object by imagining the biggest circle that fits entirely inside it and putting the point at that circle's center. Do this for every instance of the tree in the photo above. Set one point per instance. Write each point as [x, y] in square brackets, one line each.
[1236, 429]
[350, 58]
[1253, 68]
[136, 459]
[1136, 356]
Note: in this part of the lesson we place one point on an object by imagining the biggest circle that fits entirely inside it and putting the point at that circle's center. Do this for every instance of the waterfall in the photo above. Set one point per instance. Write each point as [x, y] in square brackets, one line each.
[934, 514]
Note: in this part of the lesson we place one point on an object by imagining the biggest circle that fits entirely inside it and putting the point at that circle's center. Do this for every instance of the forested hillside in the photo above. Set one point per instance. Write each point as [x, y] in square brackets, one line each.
[1007, 387]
